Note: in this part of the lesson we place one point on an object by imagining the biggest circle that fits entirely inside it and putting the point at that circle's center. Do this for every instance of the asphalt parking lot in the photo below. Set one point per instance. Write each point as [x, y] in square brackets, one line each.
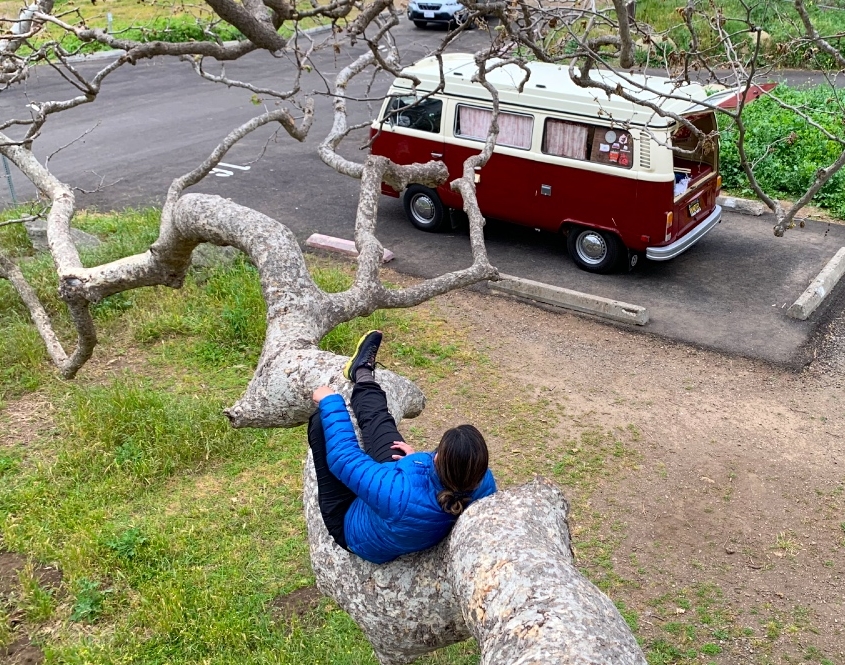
[157, 120]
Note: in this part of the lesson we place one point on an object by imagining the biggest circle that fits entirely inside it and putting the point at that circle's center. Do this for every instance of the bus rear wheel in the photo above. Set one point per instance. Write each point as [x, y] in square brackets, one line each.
[594, 250]
[424, 208]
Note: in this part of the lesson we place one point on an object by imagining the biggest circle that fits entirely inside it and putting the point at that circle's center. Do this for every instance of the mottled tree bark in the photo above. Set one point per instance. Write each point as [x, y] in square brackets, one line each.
[512, 569]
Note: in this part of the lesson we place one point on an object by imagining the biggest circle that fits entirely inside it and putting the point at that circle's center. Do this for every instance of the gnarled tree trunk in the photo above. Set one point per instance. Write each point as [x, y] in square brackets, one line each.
[505, 576]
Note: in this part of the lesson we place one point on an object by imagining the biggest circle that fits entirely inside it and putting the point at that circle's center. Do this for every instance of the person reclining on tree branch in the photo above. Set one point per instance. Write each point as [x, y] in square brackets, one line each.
[389, 500]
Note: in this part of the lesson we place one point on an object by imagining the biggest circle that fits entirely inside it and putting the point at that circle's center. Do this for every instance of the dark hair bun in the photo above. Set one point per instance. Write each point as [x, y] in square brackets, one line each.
[461, 463]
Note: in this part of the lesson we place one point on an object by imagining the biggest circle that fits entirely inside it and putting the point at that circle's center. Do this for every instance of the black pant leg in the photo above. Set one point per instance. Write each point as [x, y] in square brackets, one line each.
[378, 429]
[334, 497]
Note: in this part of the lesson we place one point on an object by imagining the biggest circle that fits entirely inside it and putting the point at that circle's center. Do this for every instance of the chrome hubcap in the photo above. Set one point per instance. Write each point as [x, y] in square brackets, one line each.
[591, 247]
[423, 208]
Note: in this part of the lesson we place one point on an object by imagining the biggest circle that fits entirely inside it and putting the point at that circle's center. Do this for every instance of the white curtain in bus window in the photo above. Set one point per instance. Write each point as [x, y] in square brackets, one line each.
[565, 139]
[514, 130]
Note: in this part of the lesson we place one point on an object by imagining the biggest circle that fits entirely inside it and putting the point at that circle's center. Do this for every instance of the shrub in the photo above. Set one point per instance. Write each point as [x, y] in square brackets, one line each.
[786, 150]
[161, 29]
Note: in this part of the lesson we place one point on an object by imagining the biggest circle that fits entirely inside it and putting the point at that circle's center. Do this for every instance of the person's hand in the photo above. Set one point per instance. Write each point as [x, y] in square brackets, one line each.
[404, 447]
[321, 392]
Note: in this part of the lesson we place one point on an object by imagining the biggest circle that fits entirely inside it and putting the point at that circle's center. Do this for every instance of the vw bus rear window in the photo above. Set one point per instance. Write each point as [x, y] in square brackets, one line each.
[515, 129]
[412, 113]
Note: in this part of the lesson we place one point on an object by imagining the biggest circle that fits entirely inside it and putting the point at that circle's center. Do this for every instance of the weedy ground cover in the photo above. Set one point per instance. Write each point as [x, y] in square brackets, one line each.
[785, 149]
[174, 533]
[158, 20]
[779, 20]
[663, 37]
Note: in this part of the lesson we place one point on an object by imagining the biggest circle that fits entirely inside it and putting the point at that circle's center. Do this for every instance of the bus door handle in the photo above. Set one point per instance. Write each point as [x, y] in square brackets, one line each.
[437, 155]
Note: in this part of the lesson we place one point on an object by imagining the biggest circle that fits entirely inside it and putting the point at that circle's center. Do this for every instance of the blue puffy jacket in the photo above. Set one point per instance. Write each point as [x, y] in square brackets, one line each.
[396, 511]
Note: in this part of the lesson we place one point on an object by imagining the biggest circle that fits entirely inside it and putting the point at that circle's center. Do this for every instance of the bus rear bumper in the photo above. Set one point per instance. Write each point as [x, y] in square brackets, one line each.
[684, 243]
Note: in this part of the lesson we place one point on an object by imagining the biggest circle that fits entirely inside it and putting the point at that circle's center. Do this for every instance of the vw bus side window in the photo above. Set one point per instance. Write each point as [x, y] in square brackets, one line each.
[612, 146]
[566, 139]
[515, 129]
[595, 144]
[413, 113]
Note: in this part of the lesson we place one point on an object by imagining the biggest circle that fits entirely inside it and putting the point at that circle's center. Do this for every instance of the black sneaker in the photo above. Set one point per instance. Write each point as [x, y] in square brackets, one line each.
[365, 354]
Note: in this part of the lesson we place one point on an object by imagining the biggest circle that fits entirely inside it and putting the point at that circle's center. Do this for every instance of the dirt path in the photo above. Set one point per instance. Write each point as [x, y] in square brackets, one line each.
[730, 530]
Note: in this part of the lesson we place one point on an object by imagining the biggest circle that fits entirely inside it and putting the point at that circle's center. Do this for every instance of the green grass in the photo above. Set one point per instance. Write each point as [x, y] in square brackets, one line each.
[781, 39]
[147, 21]
[36, 602]
[778, 19]
[22, 354]
[174, 532]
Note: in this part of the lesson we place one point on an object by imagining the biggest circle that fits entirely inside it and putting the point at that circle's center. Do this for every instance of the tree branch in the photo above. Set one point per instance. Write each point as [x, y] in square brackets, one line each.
[814, 36]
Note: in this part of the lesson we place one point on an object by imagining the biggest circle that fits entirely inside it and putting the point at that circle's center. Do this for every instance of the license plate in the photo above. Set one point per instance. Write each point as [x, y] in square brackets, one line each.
[428, 14]
[694, 207]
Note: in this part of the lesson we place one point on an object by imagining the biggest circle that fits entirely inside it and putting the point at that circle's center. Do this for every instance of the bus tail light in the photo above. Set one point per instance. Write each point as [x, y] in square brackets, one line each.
[669, 217]
[718, 183]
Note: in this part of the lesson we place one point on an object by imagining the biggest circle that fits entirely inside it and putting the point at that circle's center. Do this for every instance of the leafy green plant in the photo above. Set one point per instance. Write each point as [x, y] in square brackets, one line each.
[661, 652]
[780, 23]
[786, 150]
[773, 629]
[711, 649]
[7, 464]
[88, 604]
[127, 544]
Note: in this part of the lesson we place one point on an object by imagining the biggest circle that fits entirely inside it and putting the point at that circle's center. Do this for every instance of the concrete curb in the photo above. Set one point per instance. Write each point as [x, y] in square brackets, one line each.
[115, 53]
[819, 288]
[574, 300]
[340, 246]
[742, 206]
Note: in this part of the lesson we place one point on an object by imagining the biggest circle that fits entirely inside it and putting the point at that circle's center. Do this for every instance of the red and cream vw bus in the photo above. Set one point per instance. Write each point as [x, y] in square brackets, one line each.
[567, 159]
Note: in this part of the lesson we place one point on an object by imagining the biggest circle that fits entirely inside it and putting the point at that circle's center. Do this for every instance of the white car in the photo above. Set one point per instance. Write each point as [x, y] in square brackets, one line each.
[449, 12]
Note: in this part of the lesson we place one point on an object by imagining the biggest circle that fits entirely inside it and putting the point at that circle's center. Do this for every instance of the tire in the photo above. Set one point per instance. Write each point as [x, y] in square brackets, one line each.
[593, 250]
[420, 24]
[424, 209]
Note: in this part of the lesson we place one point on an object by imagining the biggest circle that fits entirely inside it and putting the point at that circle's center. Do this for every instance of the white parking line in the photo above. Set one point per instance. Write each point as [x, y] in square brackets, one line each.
[225, 173]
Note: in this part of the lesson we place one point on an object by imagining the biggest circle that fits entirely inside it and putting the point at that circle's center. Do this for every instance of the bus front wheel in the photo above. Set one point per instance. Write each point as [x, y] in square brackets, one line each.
[424, 208]
[594, 250]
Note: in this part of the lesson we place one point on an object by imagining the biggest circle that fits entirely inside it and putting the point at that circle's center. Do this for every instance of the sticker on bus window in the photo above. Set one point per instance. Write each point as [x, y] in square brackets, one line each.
[612, 147]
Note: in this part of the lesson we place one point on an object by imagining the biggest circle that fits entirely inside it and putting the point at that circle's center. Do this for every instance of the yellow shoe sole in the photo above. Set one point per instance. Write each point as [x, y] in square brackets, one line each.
[348, 367]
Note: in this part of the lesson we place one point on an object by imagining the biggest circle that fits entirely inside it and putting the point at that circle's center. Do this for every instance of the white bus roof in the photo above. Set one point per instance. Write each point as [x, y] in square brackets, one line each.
[550, 88]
